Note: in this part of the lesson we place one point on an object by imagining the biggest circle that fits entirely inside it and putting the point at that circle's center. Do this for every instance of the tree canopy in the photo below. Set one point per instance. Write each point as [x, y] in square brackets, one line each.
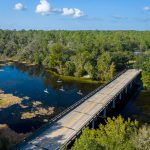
[76, 53]
[116, 134]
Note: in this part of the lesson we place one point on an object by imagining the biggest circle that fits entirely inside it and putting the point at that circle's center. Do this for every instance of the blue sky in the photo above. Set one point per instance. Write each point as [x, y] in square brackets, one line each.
[75, 14]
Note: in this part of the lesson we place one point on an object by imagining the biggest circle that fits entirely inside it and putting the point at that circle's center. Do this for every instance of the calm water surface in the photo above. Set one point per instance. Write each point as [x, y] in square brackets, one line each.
[138, 108]
[21, 81]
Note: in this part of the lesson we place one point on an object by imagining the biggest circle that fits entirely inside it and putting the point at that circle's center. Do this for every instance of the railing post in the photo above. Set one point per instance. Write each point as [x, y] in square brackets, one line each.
[104, 113]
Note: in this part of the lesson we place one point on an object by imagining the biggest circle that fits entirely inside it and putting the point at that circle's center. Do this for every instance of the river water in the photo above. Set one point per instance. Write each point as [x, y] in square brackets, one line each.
[24, 81]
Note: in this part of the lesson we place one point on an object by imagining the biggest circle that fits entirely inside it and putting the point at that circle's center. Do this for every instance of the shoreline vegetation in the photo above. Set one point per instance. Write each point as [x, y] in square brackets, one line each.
[74, 55]
[72, 78]
[84, 79]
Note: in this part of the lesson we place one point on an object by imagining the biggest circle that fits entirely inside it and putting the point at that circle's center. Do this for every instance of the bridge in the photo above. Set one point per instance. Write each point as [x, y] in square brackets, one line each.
[65, 127]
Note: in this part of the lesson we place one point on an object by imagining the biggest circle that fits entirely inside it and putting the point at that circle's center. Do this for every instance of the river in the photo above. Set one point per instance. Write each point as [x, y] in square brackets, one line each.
[31, 81]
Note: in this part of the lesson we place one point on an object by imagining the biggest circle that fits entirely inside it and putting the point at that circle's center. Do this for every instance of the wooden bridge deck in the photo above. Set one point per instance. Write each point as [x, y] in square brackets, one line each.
[71, 124]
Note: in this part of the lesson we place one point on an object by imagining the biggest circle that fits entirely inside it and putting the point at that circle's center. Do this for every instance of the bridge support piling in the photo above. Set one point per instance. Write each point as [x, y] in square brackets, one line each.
[104, 113]
[126, 90]
[120, 96]
[113, 104]
[93, 124]
[130, 85]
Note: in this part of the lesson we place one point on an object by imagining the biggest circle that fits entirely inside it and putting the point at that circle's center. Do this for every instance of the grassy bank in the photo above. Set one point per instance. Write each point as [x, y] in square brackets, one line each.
[76, 79]
[62, 77]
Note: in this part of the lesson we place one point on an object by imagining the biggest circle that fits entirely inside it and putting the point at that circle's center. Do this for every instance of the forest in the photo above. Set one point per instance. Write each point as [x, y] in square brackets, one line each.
[96, 54]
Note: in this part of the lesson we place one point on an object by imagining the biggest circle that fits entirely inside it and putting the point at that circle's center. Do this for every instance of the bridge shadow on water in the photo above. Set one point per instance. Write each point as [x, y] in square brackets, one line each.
[46, 140]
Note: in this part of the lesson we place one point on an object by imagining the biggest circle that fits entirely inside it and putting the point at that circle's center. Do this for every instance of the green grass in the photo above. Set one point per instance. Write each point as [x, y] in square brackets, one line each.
[77, 79]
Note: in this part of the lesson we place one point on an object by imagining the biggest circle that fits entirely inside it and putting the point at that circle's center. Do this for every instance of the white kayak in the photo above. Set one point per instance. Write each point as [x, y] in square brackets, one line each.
[79, 92]
[46, 91]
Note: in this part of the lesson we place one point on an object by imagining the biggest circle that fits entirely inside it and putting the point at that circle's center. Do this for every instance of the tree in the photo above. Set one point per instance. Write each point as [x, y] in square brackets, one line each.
[105, 66]
[90, 70]
[87, 141]
[79, 60]
[121, 59]
[115, 135]
[58, 56]
[69, 68]
[143, 62]
[141, 139]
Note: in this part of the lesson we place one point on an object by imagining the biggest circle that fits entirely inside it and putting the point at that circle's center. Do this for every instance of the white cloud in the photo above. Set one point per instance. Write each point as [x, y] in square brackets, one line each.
[68, 11]
[78, 13]
[75, 12]
[19, 6]
[147, 8]
[43, 8]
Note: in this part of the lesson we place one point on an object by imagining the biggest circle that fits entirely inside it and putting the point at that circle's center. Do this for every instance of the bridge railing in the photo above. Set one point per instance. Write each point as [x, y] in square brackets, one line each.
[94, 115]
[66, 111]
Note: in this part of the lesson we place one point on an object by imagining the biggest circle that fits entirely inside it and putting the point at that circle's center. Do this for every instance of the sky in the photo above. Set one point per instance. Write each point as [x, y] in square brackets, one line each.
[75, 14]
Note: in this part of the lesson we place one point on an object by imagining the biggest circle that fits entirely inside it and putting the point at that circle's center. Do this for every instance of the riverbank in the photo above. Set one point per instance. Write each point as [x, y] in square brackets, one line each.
[76, 79]
[62, 77]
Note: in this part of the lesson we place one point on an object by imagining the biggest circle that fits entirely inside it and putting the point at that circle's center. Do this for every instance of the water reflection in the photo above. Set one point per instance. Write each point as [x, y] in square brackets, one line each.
[30, 81]
[138, 108]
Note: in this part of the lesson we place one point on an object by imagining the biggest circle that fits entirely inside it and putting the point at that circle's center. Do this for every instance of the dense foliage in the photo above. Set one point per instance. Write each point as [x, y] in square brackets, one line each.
[76, 53]
[143, 62]
[117, 134]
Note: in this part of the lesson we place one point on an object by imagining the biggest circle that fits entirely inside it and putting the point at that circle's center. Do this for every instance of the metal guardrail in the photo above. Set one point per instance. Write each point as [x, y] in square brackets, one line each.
[65, 112]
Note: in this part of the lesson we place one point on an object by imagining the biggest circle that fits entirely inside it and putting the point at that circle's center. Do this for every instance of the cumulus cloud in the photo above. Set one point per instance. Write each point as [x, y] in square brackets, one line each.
[147, 8]
[68, 11]
[43, 8]
[75, 12]
[78, 13]
[19, 6]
